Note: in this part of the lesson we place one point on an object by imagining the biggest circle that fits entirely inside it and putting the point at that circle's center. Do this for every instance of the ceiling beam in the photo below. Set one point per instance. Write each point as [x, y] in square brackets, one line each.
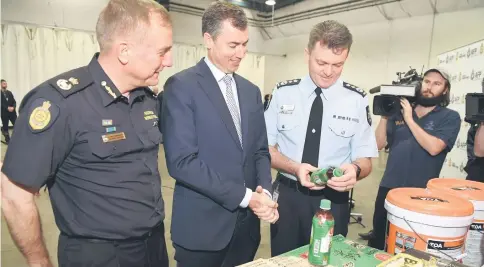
[433, 6]
[383, 13]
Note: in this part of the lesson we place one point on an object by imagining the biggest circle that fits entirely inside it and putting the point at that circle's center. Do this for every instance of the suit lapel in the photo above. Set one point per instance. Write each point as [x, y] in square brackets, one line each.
[244, 112]
[211, 88]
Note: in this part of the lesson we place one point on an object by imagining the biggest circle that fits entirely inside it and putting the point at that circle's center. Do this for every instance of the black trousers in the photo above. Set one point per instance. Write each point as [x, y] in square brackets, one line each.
[241, 249]
[297, 206]
[6, 117]
[148, 251]
[475, 170]
[379, 220]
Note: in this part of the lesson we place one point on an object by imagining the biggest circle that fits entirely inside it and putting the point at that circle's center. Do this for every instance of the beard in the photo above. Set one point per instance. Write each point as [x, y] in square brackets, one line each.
[429, 101]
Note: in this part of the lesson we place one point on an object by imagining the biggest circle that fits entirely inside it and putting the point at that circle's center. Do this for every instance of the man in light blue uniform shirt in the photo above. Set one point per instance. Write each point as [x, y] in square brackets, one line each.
[317, 122]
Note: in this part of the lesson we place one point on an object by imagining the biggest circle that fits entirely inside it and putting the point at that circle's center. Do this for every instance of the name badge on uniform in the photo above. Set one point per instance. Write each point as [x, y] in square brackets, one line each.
[107, 122]
[110, 129]
[287, 109]
[113, 137]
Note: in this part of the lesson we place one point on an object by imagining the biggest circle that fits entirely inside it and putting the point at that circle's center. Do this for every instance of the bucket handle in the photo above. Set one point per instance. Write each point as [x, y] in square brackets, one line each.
[455, 260]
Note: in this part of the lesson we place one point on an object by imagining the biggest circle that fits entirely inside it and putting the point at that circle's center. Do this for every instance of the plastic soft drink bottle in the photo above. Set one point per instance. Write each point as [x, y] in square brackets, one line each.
[321, 176]
[321, 235]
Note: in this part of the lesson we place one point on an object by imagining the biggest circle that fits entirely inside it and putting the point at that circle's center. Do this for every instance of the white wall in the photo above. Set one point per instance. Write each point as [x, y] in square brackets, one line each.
[379, 50]
[82, 15]
[382, 49]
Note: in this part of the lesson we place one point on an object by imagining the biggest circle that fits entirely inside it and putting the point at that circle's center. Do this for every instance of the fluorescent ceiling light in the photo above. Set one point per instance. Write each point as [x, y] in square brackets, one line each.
[270, 2]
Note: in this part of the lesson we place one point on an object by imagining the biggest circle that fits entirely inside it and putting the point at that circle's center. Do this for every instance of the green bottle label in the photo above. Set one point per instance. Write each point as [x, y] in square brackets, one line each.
[320, 177]
[320, 243]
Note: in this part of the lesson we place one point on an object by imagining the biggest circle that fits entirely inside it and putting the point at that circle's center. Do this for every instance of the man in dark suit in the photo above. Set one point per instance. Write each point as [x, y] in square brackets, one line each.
[216, 149]
[8, 110]
[159, 96]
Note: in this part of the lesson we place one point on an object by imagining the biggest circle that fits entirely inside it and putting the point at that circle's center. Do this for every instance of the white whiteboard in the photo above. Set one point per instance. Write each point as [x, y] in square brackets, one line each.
[466, 66]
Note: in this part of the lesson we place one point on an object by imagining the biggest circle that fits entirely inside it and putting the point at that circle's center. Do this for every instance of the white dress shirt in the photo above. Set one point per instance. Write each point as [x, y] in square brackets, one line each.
[219, 75]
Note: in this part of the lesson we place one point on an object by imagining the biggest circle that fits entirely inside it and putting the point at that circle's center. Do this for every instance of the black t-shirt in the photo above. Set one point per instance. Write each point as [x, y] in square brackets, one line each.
[409, 164]
[475, 165]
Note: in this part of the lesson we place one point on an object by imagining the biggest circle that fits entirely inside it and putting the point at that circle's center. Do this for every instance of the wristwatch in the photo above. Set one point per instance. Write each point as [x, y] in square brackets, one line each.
[358, 170]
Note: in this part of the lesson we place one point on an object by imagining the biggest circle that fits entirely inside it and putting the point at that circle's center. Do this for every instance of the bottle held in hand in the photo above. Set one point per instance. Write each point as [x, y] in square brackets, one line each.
[321, 176]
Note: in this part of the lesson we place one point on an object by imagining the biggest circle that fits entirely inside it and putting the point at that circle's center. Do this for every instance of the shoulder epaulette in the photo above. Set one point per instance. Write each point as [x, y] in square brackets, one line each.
[355, 89]
[72, 81]
[288, 82]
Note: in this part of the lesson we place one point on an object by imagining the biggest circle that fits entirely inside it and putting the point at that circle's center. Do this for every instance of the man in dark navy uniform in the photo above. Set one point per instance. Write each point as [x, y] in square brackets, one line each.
[91, 136]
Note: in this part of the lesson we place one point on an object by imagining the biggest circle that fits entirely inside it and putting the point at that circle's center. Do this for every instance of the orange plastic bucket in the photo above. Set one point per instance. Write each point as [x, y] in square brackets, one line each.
[474, 192]
[432, 221]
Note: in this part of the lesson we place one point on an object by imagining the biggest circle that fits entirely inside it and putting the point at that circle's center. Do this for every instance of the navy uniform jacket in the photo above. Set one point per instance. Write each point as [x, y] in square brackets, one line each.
[205, 157]
[96, 150]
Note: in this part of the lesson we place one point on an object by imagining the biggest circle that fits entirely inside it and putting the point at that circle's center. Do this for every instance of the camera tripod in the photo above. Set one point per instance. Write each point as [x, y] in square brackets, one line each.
[357, 217]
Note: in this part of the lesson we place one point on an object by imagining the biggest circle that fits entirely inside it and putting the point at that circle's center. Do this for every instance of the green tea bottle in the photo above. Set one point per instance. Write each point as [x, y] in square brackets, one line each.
[321, 235]
[321, 176]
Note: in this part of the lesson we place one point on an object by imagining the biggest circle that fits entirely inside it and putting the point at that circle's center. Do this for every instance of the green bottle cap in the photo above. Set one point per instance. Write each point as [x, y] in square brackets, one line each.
[325, 204]
[337, 172]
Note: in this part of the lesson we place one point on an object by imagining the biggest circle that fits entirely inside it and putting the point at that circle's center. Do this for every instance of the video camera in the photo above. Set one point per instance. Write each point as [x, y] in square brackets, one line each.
[474, 108]
[388, 102]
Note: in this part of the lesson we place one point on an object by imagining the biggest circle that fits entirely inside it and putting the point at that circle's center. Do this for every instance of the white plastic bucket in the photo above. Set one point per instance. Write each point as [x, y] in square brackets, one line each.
[474, 192]
[426, 220]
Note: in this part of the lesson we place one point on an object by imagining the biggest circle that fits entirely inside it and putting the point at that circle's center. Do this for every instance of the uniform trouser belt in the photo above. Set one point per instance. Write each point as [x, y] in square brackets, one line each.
[297, 186]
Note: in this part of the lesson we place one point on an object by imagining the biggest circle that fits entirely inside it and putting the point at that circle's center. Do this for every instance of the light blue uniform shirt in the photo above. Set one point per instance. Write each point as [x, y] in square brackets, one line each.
[346, 132]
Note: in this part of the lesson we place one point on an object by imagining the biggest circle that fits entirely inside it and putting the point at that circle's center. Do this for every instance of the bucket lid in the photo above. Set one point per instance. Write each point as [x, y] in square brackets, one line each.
[430, 202]
[464, 188]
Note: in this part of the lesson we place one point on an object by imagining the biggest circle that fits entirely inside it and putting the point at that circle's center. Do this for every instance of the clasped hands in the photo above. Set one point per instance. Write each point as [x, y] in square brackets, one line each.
[263, 206]
[343, 183]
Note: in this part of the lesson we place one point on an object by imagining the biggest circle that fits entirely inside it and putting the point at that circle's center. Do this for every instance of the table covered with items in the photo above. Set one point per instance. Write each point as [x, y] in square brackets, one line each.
[343, 252]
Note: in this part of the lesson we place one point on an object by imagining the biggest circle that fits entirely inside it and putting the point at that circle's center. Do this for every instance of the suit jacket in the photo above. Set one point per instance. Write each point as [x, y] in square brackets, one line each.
[204, 156]
[160, 101]
[7, 100]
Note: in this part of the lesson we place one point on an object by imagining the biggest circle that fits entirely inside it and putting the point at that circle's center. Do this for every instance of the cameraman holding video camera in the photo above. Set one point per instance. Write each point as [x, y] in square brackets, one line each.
[475, 150]
[419, 139]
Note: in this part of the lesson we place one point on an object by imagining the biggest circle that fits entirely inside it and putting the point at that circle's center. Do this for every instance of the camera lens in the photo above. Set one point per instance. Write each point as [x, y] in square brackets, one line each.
[389, 104]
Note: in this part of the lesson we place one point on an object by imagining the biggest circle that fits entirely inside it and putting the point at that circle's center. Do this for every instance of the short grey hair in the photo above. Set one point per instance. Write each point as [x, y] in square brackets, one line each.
[217, 13]
[332, 34]
[124, 17]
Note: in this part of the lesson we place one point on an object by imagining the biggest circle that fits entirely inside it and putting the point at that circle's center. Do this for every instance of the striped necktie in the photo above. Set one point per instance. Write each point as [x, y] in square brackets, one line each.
[234, 111]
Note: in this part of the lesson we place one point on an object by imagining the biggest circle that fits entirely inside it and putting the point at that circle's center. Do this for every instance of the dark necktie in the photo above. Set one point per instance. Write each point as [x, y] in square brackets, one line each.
[313, 132]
